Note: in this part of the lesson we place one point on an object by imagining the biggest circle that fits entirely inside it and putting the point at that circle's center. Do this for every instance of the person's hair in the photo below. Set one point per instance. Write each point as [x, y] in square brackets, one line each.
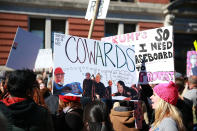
[96, 117]
[98, 75]
[121, 83]
[129, 104]
[87, 74]
[63, 104]
[192, 80]
[21, 83]
[167, 110]
[39, 77]
[180, 83]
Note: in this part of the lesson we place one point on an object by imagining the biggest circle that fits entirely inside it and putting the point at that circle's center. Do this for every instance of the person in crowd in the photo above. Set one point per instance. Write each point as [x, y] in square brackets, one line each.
[3, 90]
[130, 93]
[122, 117]
[121, 90]
[52, 103]
[69, 115]
[191, 94]
[98, 88]
[108, 90]
[50, 84]
[37, 96]
[108, 95]
[45, 77]
[167, 116]
[3, 122]
[96, 117]
[144, 94]
[87, 86]
[44, 91]
[58, 106]
[3, 86]
[50, 79]
[20, 109]
[39, 78]
[184, 105]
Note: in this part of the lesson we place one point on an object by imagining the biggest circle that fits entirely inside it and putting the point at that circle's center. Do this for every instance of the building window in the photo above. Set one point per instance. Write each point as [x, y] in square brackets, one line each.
[128, 28]
[111, 29]
[37, 26]
[182, 44]
[57, 26]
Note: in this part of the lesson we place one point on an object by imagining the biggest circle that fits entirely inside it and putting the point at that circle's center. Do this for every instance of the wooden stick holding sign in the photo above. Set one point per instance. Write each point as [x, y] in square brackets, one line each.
[94, 18]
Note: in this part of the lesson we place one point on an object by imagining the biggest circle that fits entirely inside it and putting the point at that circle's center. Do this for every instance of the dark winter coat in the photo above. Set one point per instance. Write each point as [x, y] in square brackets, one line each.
[122, 120]
[98, 88]
[28, 115]
[185, 106]
[108, 92]
[87, 87]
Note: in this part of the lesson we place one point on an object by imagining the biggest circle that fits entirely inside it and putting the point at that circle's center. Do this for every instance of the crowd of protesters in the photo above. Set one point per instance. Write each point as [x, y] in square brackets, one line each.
[28, 104]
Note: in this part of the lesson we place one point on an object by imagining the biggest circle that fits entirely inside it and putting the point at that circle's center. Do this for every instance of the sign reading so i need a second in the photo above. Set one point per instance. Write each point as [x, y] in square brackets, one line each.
[154, 54]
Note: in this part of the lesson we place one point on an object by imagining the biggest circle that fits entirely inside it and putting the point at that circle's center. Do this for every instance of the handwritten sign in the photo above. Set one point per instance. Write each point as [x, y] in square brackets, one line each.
[44, 59]
[77, 56]
[102, 11]
[24, 50]
[154, 54]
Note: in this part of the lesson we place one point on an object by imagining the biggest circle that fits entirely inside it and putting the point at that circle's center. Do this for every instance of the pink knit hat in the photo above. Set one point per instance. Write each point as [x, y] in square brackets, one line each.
[168, 92]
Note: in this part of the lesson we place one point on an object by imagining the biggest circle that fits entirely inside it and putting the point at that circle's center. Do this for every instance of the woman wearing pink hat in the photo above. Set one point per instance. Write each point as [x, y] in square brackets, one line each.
[167, 116]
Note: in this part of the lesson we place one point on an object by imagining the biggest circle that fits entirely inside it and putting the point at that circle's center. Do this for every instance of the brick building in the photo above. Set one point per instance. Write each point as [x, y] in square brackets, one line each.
[44, 17]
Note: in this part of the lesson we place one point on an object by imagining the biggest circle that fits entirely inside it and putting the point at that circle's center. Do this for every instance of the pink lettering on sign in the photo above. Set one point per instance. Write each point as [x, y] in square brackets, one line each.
[130, 37]
[154, 76]
[114, 39]
[126, 38]
[122, 38]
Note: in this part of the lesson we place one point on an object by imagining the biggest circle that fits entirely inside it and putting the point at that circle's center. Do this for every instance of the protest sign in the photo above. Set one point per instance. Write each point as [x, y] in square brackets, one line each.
[153, 53]
[195, 45]
[24, 50]
[102, 12]
[44, 59]
[191, 62]
[76, 56]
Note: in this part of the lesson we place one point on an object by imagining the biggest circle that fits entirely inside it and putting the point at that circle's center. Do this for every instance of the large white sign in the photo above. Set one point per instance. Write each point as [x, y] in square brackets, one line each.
[77, 56]
[24, 50]
[154, 54]
[102, 11]
[44, 59]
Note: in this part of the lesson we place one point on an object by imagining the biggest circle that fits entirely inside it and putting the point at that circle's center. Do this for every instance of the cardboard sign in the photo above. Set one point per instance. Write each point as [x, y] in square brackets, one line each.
[44, 59]
[102, 11]
[191, 62]
[24, 50]
[75, 56]
[154, 54]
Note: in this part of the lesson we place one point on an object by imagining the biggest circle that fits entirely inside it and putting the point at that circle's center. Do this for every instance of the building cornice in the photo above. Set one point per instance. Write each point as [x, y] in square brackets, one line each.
[124, 7]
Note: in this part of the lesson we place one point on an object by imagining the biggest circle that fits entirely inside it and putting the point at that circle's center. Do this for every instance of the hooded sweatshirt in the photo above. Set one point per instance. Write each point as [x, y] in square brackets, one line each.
[26, 114]
[123, 120]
